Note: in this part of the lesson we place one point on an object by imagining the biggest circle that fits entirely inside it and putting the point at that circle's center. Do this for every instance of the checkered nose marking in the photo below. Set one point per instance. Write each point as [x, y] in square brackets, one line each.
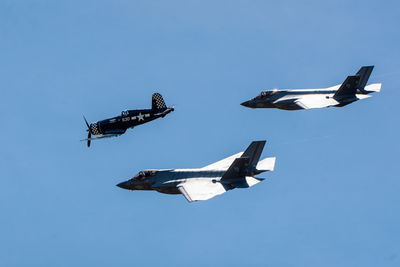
[94, 128]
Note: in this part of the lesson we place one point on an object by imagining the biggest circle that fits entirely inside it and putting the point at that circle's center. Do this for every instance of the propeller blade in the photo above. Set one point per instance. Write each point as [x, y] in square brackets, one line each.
[87, 124]
[89, 136]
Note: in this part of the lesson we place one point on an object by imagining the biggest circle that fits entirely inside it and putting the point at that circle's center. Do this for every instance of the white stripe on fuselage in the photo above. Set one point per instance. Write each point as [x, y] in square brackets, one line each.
[316, 90]
[181, 175]
[313, 98]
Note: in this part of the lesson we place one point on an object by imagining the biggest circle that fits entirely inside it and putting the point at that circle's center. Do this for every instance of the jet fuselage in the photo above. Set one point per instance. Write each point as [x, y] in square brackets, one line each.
[166, 181]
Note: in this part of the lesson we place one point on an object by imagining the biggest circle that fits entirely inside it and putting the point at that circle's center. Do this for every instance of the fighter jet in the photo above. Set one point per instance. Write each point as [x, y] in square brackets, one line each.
[128, 119]
[352, 89]
[236, 171]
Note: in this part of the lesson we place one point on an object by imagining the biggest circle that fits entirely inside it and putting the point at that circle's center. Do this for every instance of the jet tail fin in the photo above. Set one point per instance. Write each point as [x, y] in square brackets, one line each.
[348, 87]
[364, 74]
[355, 84]
[246, 165]
[158, 101]
[237, 171]
[253, 152]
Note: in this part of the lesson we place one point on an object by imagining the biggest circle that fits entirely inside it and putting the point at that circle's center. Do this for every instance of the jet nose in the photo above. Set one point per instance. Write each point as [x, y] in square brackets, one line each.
[246, 104]
[124, 185]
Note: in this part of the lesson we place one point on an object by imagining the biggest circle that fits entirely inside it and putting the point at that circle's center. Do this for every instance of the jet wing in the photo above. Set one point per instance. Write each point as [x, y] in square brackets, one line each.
[200, 190]
[314, 101]
[223, 164]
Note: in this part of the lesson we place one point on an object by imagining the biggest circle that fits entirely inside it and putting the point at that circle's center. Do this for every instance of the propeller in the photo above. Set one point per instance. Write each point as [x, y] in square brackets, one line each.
[90, 132]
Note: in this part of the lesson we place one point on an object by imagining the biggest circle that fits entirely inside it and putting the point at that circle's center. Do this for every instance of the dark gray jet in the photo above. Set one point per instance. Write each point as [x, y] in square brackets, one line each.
[352, 89]
[236, 171]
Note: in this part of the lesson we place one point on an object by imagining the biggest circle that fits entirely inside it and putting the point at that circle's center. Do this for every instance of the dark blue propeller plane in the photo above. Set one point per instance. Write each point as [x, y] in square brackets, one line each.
[117, 126]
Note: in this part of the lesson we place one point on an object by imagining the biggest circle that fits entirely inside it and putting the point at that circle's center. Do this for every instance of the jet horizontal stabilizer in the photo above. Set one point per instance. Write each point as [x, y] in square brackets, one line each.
[267, 164]
[374, 87]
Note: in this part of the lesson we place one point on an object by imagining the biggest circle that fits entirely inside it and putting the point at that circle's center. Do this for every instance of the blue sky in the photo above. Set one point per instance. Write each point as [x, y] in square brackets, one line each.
[332, 199]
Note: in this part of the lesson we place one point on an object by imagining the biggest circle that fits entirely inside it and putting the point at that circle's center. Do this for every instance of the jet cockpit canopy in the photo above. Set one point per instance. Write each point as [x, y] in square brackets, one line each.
[266, 93]
[144, 174]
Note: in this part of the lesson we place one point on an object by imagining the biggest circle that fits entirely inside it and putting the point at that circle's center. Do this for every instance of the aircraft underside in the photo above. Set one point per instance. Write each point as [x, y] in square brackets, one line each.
[168, 190]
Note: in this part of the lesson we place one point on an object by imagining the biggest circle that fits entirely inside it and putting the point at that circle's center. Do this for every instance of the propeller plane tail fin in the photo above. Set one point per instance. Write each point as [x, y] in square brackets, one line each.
[158, 102]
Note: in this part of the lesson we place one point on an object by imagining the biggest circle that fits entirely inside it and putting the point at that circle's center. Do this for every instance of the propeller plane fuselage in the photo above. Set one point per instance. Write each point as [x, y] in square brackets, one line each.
[128, 119]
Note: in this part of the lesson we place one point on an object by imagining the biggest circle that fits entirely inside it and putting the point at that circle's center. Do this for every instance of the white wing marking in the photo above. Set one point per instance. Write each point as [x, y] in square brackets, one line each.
[200, 190]
[315, 101]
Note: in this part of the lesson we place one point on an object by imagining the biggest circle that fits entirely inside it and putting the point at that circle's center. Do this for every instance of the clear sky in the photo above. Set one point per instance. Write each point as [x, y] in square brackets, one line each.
[333, 199]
